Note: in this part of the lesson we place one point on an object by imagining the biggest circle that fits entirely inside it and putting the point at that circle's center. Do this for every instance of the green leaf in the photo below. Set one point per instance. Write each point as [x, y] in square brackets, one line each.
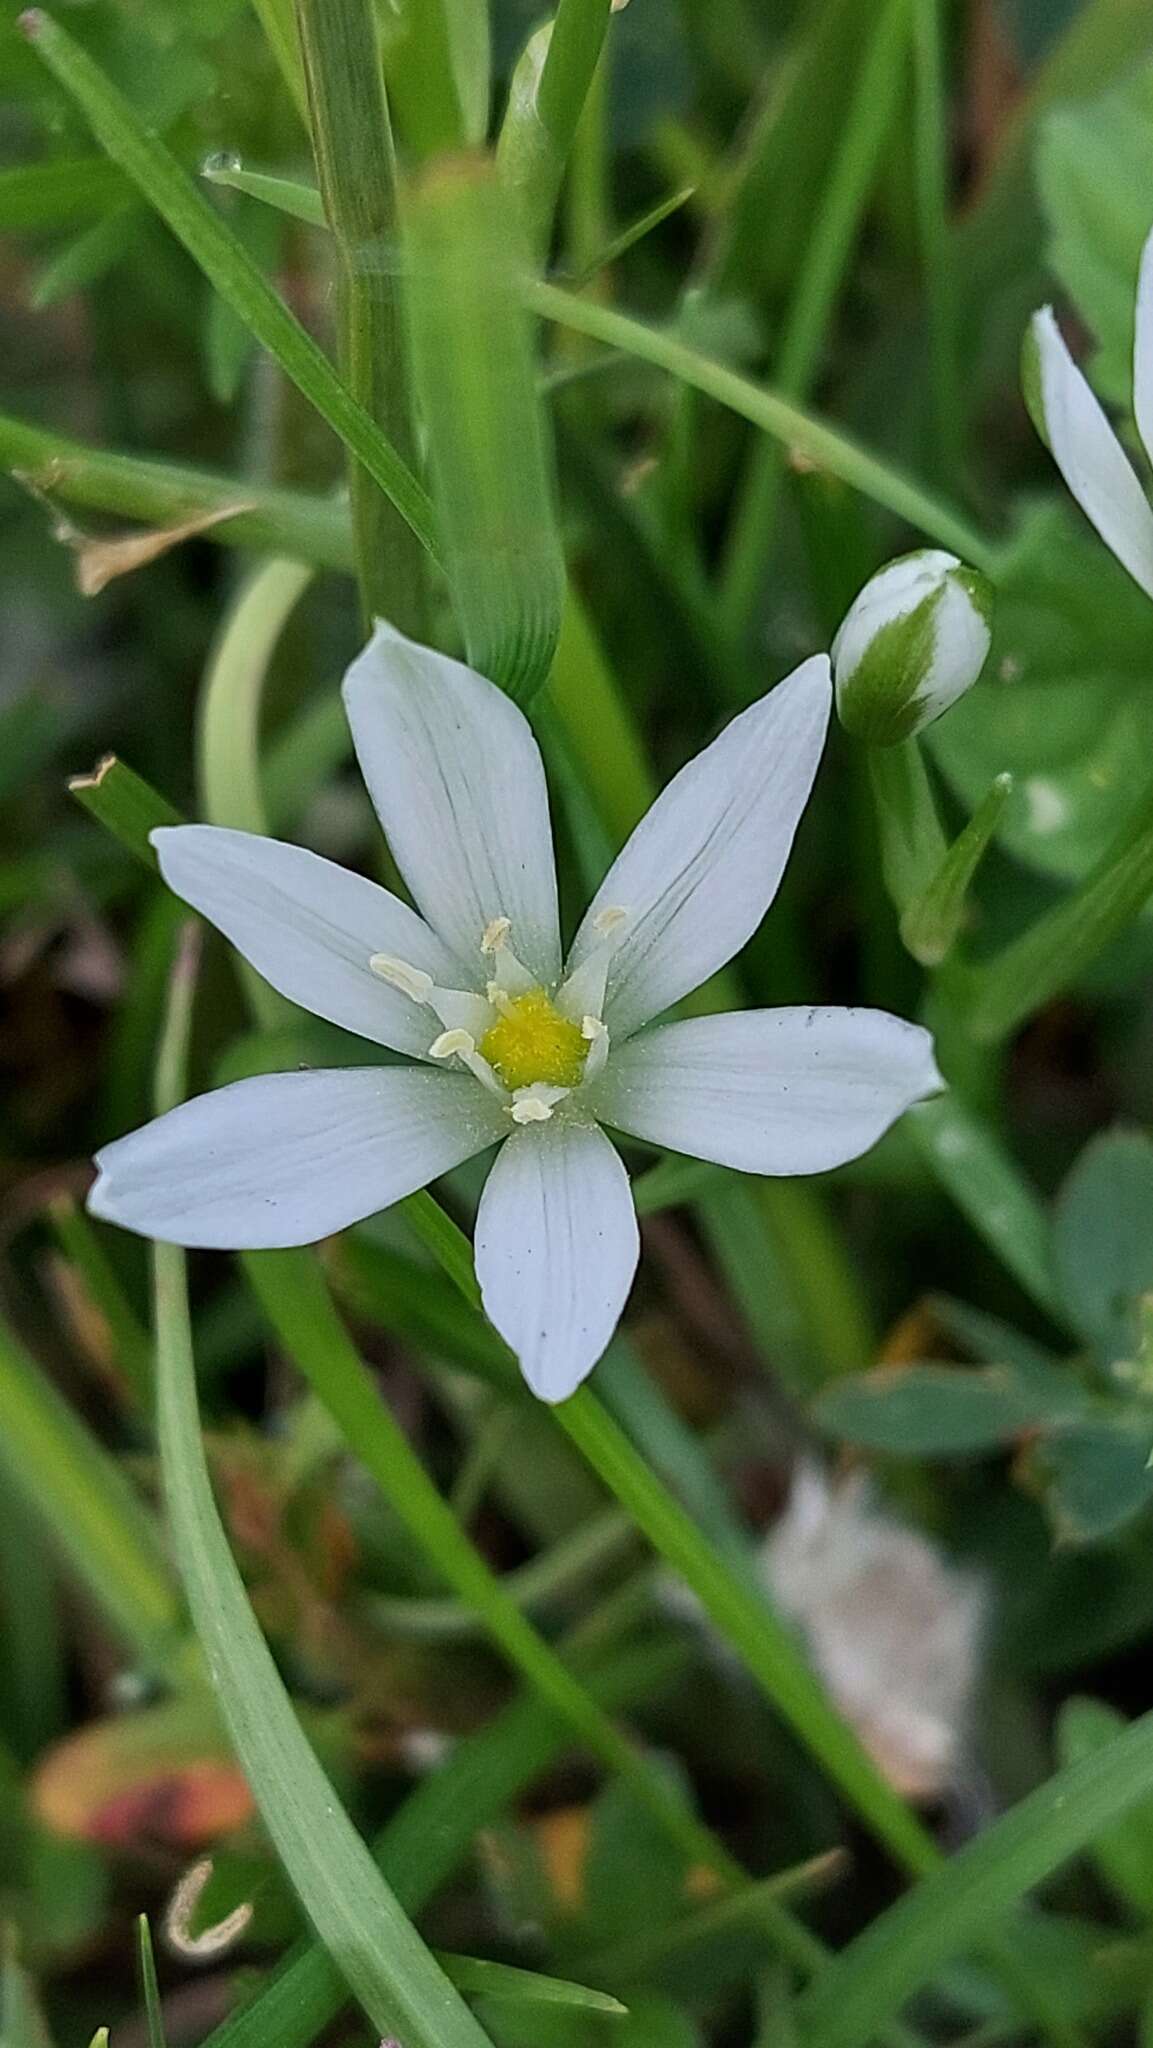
[89, 1509]
[1096, 1477]
[489, 450]
[483, 1979]
[969, 1896]
[286, 195]
[1123, 1852]
[968, 1159]
[353, 1910]
[430, 1835]
[22, 2020]
[1063, 706]
[151, 1990]
[913, 846]
[1103, 1241]
[310, 527]
[547, 93]
[941, 1411]
[1094, 169]
[225, 262]
[124, 804]
[932, 920]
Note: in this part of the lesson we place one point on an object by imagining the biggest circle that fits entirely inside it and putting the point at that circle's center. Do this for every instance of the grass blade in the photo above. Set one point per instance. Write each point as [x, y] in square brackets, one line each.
[226, 263]
[970, 1895]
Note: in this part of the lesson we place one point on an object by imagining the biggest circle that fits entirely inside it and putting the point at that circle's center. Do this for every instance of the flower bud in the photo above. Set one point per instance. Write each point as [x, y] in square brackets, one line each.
[910, 644]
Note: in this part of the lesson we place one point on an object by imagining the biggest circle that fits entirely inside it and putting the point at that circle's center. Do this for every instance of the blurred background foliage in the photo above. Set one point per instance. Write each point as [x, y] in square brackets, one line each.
[781, 189]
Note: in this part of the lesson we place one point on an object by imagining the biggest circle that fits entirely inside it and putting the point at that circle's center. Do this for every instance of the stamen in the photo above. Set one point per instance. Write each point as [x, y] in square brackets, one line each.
[509, 973]
[598, 1038]
[535, 1104]
[583, 994]
[411, 981]
[451, 1042]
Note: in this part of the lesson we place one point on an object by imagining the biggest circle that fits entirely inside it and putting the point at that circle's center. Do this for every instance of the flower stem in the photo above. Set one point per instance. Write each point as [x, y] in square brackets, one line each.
[825, 446]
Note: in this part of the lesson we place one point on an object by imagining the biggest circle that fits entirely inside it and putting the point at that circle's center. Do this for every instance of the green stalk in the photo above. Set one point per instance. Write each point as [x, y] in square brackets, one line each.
[549, 88]
[310, 528]
[823, 445]
[819, 281]
[228, 721]
[356, 166]
[913, 845]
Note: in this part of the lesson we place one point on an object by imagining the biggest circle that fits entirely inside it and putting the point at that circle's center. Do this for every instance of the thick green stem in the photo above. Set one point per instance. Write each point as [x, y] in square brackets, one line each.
[356, 165]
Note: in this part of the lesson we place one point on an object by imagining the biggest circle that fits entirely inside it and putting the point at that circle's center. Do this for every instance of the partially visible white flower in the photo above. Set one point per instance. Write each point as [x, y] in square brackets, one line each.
[893, 1630]
[1083, 444]
[912, 642]
[504, 1039]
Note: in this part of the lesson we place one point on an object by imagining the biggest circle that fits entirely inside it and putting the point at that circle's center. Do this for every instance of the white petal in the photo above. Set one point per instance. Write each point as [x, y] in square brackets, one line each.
[309, 927]
[702, 867]
[1143, 351]
[556, 1250]
[769, 1091]
[1090, 457]
[457, 781]
[284, 1159]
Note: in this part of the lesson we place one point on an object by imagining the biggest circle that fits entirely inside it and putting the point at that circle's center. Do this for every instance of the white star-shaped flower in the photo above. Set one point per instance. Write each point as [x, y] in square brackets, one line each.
[508, 1042]
[1083, 444]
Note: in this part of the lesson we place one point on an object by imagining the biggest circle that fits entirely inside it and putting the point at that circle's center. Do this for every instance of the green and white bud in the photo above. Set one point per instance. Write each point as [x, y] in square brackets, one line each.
[910, 644]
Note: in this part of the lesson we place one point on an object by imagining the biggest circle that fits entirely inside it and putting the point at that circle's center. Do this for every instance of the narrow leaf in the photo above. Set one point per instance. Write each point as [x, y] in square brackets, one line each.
[125, 805]
[225, 262]
[969, 1896]
[1123, 1852]
[932, 920]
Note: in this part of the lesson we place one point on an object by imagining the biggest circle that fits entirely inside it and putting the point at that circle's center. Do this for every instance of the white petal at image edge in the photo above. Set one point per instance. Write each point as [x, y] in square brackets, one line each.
[1090, 457]
[556, 1250]
[309, 927]
[285, 1159]
[1143, 351]
[703, 865]
[456, 777]
[789, 1091]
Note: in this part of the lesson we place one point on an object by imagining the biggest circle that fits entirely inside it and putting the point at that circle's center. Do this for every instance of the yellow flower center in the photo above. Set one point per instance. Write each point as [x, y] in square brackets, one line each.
[531, 1041]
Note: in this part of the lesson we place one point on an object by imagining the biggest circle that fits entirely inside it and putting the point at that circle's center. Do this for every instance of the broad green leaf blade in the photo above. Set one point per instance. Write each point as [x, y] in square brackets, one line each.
[489, 452]
[940, 1411]
[969, 1896]
[1122, 1852]
[1097, 1476]
[1103, 1241]
[1093, 164]
[225, 262]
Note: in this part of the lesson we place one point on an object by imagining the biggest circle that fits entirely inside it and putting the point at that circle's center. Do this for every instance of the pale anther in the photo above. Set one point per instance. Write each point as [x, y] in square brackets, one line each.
[450, 1042]
[411, 981]
[535, 1104]
[592, 1029]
